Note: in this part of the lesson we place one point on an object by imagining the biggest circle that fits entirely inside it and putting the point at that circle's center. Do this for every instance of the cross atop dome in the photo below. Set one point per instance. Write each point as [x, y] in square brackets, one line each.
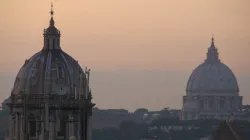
[52, 22]
[212, 42]
[51, 11]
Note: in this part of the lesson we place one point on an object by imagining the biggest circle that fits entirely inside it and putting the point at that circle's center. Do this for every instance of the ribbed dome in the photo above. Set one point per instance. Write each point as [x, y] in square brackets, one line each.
[50, 71]
[212, 76]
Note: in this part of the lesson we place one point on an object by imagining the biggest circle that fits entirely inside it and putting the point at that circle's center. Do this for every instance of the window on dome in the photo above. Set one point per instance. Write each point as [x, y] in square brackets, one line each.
[54, 43]
[211, 104]
[48, 43]
[202, 104]
[60, 73]
[58, 42]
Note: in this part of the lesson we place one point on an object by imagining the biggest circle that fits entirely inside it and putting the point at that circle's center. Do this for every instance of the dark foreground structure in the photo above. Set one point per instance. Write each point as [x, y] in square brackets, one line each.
[228, 130]
[51, 98]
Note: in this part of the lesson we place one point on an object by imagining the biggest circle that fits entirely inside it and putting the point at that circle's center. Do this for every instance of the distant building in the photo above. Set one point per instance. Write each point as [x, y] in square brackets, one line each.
[149, 138]
[5, 102]
[151, 116]
[212, 91]
[207, 138]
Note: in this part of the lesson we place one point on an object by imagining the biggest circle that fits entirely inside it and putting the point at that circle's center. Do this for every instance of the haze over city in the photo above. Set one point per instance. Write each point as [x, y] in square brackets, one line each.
[141, 52]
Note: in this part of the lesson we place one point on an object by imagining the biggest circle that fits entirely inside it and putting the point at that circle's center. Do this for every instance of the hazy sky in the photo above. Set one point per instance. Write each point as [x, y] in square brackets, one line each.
[123, 39]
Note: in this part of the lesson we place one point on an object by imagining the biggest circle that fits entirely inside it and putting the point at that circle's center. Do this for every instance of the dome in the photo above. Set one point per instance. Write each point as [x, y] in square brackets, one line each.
[212, 76]
[51, 70]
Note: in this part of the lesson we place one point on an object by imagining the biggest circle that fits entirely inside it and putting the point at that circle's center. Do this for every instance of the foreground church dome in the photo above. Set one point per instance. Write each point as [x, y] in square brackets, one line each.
[212, 75]
[51, 98]
[51, 70]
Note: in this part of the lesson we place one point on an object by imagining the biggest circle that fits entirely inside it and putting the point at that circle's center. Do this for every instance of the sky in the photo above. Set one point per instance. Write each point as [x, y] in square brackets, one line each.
[142, 50]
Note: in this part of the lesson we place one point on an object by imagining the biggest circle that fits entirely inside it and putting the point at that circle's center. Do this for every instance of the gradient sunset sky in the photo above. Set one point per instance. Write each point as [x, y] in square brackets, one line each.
[141, 52]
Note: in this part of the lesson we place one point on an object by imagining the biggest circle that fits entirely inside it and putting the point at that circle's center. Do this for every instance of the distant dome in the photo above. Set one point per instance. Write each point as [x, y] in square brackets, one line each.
[212, 76]
[50, 71]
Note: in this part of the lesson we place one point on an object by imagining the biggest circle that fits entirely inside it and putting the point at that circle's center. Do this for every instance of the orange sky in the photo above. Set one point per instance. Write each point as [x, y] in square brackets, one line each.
[108, 35]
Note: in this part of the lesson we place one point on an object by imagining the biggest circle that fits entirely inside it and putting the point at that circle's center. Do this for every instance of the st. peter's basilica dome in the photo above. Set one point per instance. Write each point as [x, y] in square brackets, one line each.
[212, 76]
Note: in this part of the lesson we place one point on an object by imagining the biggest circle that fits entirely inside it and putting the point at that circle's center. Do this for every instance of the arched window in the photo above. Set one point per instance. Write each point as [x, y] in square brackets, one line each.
[211, 104]
[222, 104]
[32, 125]
[62, 131]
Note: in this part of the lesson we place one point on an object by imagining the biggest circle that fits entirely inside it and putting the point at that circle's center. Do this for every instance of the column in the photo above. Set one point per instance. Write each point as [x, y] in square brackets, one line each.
[206, 103]
[46, 118]
[78, 129]
[228, 103]
[52, 134]
[67, 131]
[42, 129]
[71, 126]
[41, 136]
[89, 127]
[58, 122]
[21, 127]
[11, 127]
[217, 104]
[17, 130]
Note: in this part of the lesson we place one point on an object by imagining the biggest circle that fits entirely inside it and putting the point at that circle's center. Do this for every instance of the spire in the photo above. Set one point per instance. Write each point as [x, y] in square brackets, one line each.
[51, 11]
[212, 42]
[52, 23]
[212, 54]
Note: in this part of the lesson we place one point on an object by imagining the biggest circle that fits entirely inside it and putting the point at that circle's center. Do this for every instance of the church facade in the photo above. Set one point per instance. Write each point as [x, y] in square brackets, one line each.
[51, 97]
[212, 91]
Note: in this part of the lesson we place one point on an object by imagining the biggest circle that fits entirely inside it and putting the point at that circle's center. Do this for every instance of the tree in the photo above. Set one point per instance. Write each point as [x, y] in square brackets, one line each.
[140, 112]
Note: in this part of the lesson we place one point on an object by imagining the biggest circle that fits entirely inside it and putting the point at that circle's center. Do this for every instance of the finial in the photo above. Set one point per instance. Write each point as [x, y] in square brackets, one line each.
[212, 37]
[52, 23]
[51, 11]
